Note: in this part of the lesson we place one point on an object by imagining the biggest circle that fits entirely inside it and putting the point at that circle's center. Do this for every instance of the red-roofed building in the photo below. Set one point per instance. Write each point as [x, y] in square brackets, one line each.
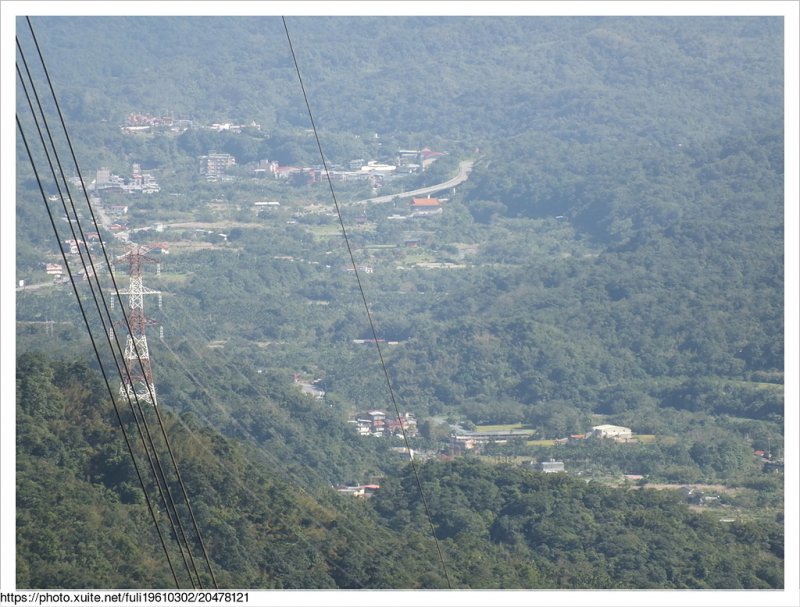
[376, 423]
[426, 206]
[398, 424]
[429, 153]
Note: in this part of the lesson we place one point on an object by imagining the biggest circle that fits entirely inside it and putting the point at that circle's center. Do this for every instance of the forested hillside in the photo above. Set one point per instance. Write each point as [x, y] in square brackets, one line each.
[687, 283]
[614, 257]
[81, 521]
[578, 535]
[471, 78]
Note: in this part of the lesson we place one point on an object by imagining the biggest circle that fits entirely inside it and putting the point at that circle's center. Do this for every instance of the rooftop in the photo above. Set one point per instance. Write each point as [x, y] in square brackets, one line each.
[425, 202]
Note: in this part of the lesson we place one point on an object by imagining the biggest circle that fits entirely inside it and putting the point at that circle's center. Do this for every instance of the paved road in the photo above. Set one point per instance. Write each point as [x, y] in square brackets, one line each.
[40, 285]
[464, 169]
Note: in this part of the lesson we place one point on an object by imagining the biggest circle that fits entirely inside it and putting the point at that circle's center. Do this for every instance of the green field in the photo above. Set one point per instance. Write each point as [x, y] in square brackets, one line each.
[326, 231]
[542, 442]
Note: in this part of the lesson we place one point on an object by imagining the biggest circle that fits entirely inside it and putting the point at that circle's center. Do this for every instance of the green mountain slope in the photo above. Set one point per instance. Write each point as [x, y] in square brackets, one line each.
[459, 77]
[82, 523]
[577, 535]
[615, 256]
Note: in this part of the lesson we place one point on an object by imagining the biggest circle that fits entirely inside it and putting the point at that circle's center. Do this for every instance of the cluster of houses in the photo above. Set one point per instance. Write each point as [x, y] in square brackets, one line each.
[358, 169]
[371, 171]
[214, 165]
[464, 440]
[143, 122]
[139, 181]
[73, 247]
[138, 122]
[56, 270]
[377, 423]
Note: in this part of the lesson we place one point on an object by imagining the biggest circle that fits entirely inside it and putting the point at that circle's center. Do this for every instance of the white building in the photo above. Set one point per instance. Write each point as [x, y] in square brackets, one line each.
[551, 466]
[215, 164]
[619, 433]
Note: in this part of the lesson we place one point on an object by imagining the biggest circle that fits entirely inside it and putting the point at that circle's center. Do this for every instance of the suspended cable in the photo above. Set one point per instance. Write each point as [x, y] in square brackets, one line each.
[140, 361]
[162, 479]
[99, 359]
[138, 355]
[279, 465]
[186, 499]
[270, 457]
[366, 305]
[87, 274]
[127, 323]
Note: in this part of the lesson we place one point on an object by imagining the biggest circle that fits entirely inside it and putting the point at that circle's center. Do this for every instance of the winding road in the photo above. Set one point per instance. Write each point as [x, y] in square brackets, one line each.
[464, 169]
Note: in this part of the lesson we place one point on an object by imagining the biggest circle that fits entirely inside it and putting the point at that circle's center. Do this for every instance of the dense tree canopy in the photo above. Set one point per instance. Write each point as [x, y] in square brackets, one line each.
[531, 529]
[616, 256]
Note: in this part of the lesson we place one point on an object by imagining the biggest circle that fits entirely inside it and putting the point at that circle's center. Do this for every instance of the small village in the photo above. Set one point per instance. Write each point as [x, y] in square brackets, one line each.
[216, 166]
[374, 423]
[425, 303]
[461, 442]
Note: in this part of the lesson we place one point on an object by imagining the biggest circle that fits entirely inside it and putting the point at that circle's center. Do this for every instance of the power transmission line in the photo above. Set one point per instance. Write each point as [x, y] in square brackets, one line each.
[366, 305]
[162, 479]
[85, 269]
[128, 325]
[99, 360]
[147, 447]
[138, 356]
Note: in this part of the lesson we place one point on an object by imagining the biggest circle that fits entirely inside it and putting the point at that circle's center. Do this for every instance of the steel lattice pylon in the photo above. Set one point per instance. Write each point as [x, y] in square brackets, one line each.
[138, 375]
